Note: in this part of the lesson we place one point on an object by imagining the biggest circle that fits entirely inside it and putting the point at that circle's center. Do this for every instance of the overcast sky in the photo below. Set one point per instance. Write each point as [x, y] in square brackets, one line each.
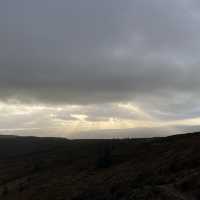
[70, 66]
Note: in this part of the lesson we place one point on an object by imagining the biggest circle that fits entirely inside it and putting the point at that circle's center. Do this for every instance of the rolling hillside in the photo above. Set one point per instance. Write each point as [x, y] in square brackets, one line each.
[136, 169]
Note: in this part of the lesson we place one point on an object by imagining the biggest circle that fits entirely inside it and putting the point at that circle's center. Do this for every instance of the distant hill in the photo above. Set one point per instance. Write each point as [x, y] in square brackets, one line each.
[136, 169]
[11, 145]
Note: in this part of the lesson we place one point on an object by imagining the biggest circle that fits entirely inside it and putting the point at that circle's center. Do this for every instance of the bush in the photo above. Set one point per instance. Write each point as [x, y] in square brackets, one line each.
[21, 187]
[5, 190]
[104, 156]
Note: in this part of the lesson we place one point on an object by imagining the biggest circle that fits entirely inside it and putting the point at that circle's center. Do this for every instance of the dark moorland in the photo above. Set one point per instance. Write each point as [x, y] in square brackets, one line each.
[165, 168]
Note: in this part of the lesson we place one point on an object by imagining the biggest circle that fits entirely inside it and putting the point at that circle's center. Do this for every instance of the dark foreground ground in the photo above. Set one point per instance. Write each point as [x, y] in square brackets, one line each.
[59, 169]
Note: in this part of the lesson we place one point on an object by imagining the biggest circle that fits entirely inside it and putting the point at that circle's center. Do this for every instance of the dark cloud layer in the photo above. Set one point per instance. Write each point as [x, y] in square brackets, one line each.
[94, 51]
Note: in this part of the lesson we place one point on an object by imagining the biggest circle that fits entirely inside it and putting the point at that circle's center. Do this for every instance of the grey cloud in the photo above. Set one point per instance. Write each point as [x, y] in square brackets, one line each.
[104, 112]
[95, 113]
[84, 52]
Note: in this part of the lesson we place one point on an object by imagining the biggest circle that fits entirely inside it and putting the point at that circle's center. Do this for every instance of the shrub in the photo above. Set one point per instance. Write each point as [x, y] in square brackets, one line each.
[5, 190]
[104, 156]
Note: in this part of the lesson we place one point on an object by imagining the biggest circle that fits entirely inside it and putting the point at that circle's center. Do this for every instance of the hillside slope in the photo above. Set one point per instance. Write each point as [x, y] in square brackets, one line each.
[52, 168]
